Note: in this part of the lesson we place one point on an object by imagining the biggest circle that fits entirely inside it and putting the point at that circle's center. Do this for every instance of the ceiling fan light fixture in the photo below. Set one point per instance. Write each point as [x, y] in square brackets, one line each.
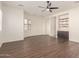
[47, 9]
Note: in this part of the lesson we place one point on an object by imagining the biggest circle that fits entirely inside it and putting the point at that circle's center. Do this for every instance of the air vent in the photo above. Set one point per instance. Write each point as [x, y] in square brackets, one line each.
[76, 1]
[20, 5]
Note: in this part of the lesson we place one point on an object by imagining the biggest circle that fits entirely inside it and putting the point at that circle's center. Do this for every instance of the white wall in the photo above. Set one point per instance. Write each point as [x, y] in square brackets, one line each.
[38, 26]
[0, 24]
[0, 16]
[74, 25]
[12, 23]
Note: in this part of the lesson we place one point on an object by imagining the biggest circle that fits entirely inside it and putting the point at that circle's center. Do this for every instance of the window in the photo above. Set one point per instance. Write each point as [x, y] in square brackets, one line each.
[27, 24]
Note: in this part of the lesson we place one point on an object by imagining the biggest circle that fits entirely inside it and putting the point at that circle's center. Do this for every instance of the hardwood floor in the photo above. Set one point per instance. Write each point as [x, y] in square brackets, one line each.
[40, 47]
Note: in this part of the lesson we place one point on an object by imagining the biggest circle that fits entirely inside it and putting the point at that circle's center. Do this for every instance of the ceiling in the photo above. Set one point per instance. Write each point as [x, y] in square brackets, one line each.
[32, 8]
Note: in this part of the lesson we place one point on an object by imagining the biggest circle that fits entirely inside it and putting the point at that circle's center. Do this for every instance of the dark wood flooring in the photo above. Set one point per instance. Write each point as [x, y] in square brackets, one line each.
[42, 46]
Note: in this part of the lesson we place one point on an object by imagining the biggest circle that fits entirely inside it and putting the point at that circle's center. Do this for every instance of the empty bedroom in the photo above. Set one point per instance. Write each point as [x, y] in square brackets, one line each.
[39, 29]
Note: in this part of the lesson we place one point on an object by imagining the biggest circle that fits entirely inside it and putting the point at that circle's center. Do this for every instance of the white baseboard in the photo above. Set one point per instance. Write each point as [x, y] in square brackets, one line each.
[35, 35]
[52, 35]
[77, 41]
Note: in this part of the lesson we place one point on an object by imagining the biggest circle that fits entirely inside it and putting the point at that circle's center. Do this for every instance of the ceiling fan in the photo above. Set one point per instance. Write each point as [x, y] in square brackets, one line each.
[48, 7]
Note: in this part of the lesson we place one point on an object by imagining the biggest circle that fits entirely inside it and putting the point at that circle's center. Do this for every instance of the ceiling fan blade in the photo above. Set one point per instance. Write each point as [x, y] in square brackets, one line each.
[41, 7]
[47, 1]
[48, 4]
[43, 10]
[50, 10]
[53, 8]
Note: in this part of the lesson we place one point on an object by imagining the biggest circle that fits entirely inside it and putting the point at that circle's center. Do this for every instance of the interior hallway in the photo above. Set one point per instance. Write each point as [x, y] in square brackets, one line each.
[42, 46]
